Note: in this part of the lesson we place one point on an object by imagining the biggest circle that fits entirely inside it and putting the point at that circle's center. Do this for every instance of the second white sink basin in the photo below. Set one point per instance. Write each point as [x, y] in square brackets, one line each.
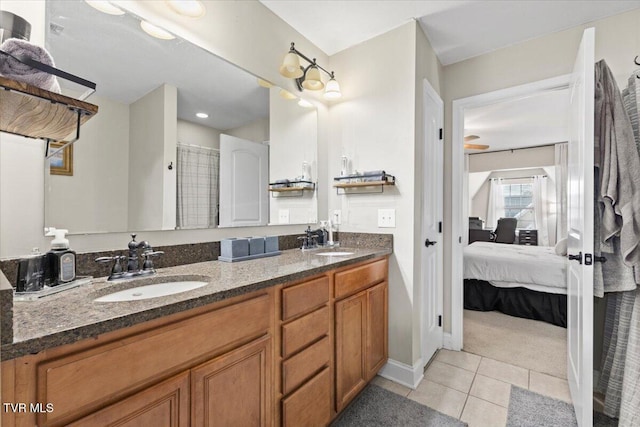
[334, 253]
[151, 291]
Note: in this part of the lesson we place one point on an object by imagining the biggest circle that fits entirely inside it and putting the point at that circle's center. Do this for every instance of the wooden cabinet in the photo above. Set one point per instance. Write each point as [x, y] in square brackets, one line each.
[165, 404]
[235, 388]
[361, 324]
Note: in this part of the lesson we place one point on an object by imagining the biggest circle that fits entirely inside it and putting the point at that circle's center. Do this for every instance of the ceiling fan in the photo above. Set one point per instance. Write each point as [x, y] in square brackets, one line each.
[473, 146]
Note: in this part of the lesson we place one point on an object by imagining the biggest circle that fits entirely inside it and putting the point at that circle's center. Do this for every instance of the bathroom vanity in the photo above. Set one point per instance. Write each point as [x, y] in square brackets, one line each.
[285, 341]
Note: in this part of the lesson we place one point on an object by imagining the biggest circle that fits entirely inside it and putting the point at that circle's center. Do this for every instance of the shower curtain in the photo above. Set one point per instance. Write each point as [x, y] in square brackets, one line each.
[198, 170]
[616, 216]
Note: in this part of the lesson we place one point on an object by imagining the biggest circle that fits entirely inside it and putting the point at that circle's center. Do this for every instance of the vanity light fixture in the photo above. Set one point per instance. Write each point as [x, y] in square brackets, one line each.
[190, 8]
[105, 7]
[287, 95]
[155, 31]
[264, 83]
[304, 103]
[202, 115]
[308, 78]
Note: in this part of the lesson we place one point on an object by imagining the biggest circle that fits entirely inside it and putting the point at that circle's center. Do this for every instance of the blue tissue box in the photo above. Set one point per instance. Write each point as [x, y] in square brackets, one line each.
[234, 248]
[271, 244]
[256, 245]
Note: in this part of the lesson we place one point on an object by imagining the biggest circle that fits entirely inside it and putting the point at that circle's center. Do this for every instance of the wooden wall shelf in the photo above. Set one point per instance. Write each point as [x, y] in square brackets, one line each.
[29, 111]
[342, 183]
[296, 187]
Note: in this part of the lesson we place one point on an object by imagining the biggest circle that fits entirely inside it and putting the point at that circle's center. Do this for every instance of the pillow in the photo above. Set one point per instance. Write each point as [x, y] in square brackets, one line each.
[561, 247]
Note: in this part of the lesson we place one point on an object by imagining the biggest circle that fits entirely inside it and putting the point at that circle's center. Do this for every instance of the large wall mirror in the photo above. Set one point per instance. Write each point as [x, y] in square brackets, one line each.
[150, 160]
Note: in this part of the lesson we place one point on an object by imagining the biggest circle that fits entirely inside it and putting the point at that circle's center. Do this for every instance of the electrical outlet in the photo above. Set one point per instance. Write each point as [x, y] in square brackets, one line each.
[387, 218]
[283, 216]
[337, 217]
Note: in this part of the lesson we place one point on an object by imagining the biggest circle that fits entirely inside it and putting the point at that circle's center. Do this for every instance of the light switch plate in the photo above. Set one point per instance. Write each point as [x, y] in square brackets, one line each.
[283, 216]
[386, 218]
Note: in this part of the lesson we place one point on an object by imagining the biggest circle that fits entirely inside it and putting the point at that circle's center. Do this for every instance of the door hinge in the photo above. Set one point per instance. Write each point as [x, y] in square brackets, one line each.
[441, 134]
[440, 227]
[440, 320]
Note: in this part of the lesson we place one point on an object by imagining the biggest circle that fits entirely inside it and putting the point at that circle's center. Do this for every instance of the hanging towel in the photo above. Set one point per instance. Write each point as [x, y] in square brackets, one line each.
[618, 162]
[13, 69]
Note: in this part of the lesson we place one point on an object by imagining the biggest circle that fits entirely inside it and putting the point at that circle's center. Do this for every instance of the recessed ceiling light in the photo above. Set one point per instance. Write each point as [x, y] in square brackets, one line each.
[190, 8]
[105, 7]
[202, 115]
[304, 103]
[156, 31]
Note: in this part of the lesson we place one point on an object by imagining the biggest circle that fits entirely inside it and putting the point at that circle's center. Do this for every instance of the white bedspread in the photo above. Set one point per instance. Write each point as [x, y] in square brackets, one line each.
[527, 265]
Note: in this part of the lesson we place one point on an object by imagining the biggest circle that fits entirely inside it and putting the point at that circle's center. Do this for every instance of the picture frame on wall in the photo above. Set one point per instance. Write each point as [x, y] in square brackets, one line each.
[62, 162]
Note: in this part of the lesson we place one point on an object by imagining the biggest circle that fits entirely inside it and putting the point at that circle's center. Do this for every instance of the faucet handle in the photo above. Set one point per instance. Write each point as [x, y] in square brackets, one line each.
[147, 265]
[117, 268]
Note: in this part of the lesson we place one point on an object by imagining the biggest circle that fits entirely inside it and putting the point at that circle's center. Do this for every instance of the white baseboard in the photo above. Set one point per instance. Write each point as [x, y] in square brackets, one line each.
[447, 341]
[401, 373]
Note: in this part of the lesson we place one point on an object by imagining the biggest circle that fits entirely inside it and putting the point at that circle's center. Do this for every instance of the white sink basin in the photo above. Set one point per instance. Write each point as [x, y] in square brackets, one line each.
[151, 291]
[335, 253]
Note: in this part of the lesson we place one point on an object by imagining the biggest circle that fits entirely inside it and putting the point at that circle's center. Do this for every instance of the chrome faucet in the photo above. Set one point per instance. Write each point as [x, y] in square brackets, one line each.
[133, 262]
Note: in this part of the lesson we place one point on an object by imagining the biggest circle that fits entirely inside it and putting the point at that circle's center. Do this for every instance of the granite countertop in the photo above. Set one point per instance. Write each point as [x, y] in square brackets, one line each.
[72, 315]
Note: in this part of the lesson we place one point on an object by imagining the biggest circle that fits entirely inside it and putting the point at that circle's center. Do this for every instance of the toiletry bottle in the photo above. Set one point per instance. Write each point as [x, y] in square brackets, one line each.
[32, 272]
[61, 260]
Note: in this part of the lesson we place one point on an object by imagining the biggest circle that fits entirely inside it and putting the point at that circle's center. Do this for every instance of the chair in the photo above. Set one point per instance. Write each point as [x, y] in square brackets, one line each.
[505, 231]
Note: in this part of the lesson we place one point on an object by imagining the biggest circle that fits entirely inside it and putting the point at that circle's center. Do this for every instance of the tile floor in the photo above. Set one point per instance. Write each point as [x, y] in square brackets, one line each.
[475, 389]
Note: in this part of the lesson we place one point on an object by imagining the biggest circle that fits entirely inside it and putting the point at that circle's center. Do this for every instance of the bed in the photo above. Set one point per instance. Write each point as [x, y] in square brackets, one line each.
[519, 280]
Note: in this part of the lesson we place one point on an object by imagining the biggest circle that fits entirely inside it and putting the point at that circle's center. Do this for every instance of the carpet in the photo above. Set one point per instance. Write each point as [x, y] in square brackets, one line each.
[529, 409]
[530, 344]
[376, 406]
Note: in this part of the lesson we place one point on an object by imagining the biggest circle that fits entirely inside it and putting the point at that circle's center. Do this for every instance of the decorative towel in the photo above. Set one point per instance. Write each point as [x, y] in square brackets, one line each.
[16, 70]
[373, 173]
[618, 163]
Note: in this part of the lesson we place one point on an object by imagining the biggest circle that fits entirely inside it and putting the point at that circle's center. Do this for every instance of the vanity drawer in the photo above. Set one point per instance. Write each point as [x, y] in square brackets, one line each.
[304, 297]
[108, 372]
[351, 281]
[311, 404]
[304, 331]
[300, 367]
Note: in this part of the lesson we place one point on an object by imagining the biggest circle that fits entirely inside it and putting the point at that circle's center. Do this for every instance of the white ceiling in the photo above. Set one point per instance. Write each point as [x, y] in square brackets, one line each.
[457, 30]
[526, 122]
[126, 63]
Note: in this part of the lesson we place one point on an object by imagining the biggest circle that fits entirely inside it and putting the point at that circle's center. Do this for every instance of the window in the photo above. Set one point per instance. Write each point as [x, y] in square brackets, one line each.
[518, 203]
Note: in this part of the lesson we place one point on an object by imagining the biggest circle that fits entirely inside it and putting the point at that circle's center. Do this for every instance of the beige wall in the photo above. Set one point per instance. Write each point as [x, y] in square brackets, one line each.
[195, 134]
[617, 41]
[256, 131]
[245, 33]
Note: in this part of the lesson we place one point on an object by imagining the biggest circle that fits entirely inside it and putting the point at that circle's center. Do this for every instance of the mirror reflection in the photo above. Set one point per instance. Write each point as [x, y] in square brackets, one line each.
[182, 139]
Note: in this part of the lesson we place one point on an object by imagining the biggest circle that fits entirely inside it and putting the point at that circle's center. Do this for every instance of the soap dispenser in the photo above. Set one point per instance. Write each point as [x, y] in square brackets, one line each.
[61, 261]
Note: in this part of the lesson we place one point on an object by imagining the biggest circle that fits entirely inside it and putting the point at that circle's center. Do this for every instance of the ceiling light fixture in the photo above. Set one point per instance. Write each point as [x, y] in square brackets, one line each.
[155, 31]
[202, 115]
[105, 7]
[473, 146]
[308, 78]
[190, 8]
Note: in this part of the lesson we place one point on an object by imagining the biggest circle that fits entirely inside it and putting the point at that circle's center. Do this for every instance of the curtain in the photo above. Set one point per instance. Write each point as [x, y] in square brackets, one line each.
[541, 209]
[197, 170]
[561, 163]
[495, 209]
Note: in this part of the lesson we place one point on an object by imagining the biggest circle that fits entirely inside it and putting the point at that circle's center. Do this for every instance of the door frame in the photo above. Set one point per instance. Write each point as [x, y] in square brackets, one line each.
[429, 92]
[459, 187]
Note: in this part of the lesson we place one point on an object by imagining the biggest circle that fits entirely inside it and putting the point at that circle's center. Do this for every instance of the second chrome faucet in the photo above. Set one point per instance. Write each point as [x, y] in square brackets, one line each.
[133, 261]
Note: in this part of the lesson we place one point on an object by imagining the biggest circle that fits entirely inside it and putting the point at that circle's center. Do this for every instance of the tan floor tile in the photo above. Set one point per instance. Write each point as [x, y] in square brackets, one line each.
[549, 386]
[492, 390]
[438, 397]
[504, 372]
[391, 386]
[460, 359]
[450, 376]
[480, 413]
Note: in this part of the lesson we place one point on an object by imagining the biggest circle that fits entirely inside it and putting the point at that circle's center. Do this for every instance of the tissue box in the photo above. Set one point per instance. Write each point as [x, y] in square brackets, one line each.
[234, 248]
[271, 244]
[256, 245]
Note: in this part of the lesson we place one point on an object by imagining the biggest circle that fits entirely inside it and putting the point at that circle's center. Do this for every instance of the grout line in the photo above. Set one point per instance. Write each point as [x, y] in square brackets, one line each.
[475, 374]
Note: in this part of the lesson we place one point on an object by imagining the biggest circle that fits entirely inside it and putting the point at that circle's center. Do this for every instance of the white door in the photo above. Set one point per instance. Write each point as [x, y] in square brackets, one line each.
[580, 231]
[431, 257]
[244, 182]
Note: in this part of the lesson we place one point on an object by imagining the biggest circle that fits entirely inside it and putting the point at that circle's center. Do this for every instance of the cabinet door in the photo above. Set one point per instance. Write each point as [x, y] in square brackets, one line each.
[351, 315]
[377, 326]
[234, 389]
[310, 405]
[165, 404]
